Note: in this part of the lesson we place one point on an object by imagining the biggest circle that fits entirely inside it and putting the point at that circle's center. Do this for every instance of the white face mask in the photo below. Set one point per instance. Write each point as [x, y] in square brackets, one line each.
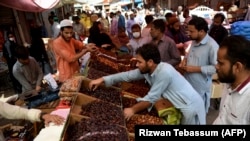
[136, 34]
[11, 39]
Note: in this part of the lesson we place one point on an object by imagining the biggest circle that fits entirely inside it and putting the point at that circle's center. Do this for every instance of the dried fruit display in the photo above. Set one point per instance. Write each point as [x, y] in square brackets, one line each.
[129, 102]
[138, 90]
[141, 83]
[94, 73]
[106, 94]
[124, 59]
[105, 61]
[153, 112]
[105, 66]
[72, 85]
[104, 111]
[142, 120]
[124, 67]
[95, 130]
[108, 54]
[126, 63]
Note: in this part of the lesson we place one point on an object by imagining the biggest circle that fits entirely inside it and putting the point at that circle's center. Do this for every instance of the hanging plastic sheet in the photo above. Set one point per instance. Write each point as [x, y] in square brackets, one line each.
[30, 5]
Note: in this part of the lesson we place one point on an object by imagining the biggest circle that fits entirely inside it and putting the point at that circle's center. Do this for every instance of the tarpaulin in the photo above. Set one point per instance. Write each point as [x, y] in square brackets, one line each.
[30, 5]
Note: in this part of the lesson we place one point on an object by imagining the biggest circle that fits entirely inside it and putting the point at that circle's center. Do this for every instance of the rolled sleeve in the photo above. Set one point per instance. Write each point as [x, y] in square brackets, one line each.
[16, 112]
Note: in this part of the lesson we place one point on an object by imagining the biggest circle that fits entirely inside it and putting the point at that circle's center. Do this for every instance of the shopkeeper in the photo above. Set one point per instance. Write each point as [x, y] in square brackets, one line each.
[165, 82]
[65, 48]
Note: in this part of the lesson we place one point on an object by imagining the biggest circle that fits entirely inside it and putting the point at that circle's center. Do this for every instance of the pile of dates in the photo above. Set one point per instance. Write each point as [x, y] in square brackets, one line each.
[106, 94]
[105, 112]
[129, 102]
[142, 120]
[96, 130]
[94, 73]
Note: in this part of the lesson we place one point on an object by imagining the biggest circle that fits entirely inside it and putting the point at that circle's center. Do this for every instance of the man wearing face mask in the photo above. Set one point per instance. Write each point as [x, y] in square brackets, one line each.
[130, 23]
[137, 40]
[9, 55]
[218, 32]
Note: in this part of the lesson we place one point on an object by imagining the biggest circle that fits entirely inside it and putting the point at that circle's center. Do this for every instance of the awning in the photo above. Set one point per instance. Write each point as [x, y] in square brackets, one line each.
[30, 5]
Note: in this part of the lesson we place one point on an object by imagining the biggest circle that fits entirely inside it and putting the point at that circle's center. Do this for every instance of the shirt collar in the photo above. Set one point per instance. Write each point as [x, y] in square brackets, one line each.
[19, 63]
[203, 41]
[242, 87]
[156, 70]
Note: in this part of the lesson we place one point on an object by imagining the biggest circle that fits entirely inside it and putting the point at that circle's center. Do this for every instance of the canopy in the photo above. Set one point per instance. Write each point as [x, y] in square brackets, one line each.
[42, 5]
[30, 5]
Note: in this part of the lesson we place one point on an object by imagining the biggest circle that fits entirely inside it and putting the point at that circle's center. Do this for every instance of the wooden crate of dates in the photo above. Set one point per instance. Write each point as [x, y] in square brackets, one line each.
[91, 129]
[95, 108]
[72, 85]
[108, 94]
[104, 65]
[80, 100]
[94, 73]
[105, 61]
[138, 119]
[137, 90]
[128, 101]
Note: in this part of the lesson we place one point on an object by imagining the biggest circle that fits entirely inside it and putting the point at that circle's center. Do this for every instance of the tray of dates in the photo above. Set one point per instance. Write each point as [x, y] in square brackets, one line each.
[72, 85]
[109, 94]
[90, 129]
[139, 119]
[104, 111]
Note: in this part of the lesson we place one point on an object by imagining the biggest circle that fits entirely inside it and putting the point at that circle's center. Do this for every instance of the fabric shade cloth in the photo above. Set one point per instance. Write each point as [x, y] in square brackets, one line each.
[30, 5]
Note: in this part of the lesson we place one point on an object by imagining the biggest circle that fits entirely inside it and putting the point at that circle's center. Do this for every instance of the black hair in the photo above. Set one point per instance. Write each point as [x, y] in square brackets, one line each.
[149, 18]
[238, 49]
[199, 23]
[51, 17]
[168, 15]
[221, 15]
[149, 51]
[21, 52]
[159, 24]
[76, 18]
[94, 29]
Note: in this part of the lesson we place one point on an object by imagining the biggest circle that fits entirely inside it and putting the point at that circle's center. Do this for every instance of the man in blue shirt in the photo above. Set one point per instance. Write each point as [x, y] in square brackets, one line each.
[199, 63]
[121, 20]
[165, 83]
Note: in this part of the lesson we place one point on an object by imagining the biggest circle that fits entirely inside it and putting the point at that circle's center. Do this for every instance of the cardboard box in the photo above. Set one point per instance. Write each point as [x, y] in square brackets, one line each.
[81, 100]
[113, 94]
[72, 123]
[216, 89]
[115, 115]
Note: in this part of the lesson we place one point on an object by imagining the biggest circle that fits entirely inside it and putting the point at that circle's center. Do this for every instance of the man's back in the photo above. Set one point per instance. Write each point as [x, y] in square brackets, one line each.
[218, 33]
[55, 30]
[168, 51]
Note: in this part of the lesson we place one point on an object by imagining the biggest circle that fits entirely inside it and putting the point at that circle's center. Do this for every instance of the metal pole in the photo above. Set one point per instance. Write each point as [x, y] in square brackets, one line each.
[19, 26]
